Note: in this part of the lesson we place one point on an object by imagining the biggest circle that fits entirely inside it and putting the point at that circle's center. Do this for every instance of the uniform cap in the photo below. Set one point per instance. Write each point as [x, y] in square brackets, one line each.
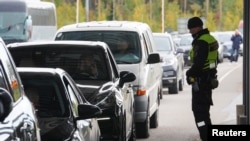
[194, 22]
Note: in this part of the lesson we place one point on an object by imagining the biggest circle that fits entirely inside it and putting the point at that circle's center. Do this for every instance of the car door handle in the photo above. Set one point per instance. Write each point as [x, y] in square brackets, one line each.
[27, 129]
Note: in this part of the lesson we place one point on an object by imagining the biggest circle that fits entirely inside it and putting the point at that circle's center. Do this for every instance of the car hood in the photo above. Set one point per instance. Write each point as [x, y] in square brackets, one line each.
[166, 54]
[55, 128]
[186, 47]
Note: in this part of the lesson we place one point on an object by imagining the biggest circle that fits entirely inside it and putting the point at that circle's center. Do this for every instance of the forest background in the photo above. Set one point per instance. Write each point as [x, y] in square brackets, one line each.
[219, 15]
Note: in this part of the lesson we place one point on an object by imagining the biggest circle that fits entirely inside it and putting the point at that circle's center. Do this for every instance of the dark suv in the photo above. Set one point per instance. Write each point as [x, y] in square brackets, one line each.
[17, 115]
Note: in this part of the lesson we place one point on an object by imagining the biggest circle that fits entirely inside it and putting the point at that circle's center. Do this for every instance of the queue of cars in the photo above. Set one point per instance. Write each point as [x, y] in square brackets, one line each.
[124, 99]
[110, 90]
[140, 57]
[120, 102]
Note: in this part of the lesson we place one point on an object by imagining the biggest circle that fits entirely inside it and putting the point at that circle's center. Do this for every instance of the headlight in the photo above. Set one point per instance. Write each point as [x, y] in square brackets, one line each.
[168, 61]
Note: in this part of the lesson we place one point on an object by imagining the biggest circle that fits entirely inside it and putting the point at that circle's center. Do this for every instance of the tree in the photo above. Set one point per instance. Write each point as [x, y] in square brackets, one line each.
[149, 11]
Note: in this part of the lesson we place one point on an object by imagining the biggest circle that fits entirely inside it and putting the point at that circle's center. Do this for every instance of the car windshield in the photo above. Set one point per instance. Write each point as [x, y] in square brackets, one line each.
[162, 43]
[113, 39]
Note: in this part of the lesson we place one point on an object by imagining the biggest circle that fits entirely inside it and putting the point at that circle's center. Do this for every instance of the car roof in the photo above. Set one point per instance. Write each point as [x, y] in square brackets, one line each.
[58, 43]
[106, 25]
[41, 70]
[162, 34]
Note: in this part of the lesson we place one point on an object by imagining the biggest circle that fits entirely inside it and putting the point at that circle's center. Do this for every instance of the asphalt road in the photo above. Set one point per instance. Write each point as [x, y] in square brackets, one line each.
[176, 118]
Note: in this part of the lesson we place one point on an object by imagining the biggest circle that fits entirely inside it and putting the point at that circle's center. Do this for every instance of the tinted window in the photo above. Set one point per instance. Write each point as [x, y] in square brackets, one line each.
[67, 58]
[46, 95]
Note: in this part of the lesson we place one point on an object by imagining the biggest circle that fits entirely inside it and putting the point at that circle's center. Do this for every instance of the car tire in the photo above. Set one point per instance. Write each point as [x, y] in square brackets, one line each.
[142, 128]
[161, 92]
[174, 89]
[181, 85]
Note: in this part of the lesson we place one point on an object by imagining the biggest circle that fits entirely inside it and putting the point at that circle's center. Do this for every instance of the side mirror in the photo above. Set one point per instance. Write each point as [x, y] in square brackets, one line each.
[153, 58]
[126, 76]
[86, 111]
[6, 103]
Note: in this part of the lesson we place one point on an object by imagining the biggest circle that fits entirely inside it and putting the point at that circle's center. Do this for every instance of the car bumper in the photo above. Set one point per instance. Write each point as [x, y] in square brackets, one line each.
[169, 76]
[169, 81]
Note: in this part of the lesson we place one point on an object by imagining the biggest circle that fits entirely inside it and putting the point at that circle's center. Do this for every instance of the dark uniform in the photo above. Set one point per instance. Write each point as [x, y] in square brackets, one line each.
[204, 55]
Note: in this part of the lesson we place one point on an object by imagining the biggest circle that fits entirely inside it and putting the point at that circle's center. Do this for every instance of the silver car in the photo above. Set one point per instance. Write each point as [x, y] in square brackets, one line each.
[172, 62]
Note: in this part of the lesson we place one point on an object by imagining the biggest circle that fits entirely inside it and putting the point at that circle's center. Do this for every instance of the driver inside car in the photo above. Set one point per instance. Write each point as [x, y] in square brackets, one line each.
[87, 67]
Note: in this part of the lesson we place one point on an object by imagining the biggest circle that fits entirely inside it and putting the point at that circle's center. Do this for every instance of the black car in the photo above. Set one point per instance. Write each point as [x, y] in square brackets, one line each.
[109, 89]
[61, 111]
[18, 120]
[172, 62]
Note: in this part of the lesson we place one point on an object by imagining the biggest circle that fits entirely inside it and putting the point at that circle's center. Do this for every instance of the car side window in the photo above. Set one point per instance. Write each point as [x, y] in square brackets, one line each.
[144, 44]
[148, 42]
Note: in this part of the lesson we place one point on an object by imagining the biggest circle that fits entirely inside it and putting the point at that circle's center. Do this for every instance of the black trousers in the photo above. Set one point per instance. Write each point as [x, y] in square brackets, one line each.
[201, 102]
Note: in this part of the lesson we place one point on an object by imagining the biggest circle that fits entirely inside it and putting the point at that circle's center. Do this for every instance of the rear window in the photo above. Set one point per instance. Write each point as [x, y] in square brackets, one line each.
[67, 58]
[162, 43]
[113, 39]
[46, 96]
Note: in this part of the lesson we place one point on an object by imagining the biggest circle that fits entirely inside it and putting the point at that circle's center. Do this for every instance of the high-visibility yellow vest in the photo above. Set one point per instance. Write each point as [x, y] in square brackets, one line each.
[211, 61]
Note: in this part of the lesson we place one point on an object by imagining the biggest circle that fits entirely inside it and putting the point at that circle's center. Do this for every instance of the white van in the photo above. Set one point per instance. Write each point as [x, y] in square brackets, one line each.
[142, 59]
